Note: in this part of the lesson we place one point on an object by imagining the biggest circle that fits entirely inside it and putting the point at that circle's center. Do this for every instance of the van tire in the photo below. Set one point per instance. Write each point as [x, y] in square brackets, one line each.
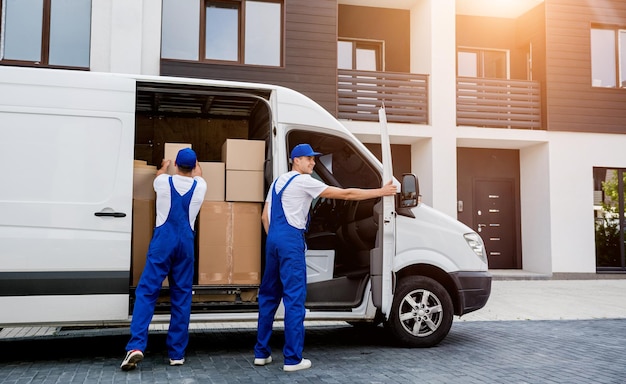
[434, 317]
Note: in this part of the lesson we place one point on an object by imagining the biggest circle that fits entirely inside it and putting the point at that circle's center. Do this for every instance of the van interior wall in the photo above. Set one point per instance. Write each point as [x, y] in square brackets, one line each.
[205, 135]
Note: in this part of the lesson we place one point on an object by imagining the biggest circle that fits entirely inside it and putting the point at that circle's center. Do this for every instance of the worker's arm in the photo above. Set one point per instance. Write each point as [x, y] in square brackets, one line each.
[265, 218]
[359, 194]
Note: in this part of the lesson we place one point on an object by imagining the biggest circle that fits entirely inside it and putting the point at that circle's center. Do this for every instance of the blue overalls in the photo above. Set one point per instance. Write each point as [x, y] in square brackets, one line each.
[171, 253]
[284, 277]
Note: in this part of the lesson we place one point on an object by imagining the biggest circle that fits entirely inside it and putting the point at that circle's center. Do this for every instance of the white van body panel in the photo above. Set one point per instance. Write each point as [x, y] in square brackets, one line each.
[434, 238]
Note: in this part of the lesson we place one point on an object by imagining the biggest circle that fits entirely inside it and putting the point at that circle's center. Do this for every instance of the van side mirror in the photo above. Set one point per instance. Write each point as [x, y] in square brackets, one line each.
[409, 191]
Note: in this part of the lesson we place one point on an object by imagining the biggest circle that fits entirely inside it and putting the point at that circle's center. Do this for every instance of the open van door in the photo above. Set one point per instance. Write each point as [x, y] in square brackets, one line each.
[382, 255]
[66, 199]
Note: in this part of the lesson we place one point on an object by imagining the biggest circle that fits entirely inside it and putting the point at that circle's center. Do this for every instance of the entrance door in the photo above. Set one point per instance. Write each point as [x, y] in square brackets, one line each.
[494, 215]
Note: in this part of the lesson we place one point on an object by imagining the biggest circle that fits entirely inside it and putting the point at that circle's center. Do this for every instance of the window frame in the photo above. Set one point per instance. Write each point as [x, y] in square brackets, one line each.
[480, 63]
[45, 41]
[240, 6]
[378, 46]
[619, 33]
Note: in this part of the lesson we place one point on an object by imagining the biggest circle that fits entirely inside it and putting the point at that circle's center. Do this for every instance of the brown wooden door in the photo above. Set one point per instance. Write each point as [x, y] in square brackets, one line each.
[494, 217]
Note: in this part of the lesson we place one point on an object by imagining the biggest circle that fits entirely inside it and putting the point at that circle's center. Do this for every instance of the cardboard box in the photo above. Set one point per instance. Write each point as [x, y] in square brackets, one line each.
[246, 186]
[243, 155]
[214, 243]
[171, 150]
[229, 238]
[144, 217]
[143, 182]
[246, 243]
[215, 177]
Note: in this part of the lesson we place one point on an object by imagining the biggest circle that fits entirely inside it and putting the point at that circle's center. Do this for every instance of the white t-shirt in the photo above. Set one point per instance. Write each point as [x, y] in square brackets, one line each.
[182, 184]
[297, 197]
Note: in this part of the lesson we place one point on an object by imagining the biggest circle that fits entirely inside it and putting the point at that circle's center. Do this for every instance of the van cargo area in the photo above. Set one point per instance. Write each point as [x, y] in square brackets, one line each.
[228, 228]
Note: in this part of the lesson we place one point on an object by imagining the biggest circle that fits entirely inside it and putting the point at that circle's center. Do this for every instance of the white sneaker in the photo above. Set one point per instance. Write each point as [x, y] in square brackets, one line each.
[132, 358]
[177, 362]
[262, 361]
[304, 364]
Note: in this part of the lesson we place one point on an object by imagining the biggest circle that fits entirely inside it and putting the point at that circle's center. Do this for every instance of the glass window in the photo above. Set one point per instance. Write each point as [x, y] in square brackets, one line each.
[483, 63]
[609, 202]
[360, 55]
[222, 32]
[45, 32]
[21, 35]
[603, 72]
[70, 31]
[244, 31]
[263, 33]
[180, 36]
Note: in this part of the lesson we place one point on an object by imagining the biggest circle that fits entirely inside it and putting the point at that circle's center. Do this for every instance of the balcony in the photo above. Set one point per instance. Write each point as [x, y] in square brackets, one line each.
[490, 103]
[361, 94]
[496, 103]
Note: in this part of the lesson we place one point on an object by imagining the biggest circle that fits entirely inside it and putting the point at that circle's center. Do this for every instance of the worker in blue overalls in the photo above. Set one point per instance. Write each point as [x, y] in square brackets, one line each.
[170, 254]
[285, 219]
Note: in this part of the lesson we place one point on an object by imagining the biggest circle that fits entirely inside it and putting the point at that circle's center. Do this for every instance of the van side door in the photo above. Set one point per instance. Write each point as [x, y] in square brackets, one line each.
[66, 196]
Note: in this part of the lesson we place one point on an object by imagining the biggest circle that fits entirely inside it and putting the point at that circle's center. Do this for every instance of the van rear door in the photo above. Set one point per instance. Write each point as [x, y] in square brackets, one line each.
[66, 196]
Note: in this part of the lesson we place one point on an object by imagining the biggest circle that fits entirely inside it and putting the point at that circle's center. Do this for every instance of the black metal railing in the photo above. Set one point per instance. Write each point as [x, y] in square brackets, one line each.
[361, 93]
[497, 103]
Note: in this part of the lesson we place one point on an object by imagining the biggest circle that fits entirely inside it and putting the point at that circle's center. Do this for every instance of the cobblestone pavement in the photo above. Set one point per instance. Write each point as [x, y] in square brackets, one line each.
[537, 351]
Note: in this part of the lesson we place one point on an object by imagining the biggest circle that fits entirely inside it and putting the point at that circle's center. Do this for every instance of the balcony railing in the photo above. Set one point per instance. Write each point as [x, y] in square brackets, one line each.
[496, 103]
[361, 93]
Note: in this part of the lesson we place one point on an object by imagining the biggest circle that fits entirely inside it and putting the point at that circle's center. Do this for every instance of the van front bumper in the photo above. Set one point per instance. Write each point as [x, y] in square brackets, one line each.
[474, 289]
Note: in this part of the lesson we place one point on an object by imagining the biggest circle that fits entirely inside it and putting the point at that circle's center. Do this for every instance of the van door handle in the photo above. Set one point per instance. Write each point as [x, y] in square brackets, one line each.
[110, 214]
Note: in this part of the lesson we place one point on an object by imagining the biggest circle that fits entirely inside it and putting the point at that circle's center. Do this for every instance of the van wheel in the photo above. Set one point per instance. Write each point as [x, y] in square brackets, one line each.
[421, 313]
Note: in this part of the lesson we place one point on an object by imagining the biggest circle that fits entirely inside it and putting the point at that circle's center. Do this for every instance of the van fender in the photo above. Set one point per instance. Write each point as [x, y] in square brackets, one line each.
[423, 256]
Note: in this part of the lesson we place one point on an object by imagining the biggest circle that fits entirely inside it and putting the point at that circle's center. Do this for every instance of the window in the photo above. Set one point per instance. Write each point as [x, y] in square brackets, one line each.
[244, 31]
[48, 33]
[610, 219]
[483, 63]
[608, 57]
[362, 55]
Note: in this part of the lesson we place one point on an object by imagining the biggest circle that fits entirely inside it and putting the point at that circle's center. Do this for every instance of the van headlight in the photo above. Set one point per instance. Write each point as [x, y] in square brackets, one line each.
[476, 244]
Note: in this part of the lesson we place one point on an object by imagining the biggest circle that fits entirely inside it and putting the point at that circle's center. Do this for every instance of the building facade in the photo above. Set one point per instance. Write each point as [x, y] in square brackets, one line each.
[512, 115]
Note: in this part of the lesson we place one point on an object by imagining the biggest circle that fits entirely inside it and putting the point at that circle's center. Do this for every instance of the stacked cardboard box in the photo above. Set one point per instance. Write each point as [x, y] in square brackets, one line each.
[244, 160]
[144, 215]
[229, 243]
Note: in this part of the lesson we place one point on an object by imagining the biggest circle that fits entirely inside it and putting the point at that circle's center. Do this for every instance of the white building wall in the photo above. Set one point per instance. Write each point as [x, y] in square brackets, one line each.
[126, 36]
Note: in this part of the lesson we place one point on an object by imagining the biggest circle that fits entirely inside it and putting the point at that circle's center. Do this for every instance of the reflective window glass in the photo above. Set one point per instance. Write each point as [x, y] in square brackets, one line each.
[21, 35]
[603, 57]
[180, 37]
[222, 33]
[263, 24]
[70, 31]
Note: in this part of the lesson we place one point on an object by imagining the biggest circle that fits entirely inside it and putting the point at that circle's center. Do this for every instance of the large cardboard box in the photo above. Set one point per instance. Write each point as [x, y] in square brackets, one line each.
[245, 186]
[144, 217]
[143, 182]
[171, 150]
[214, 243]
[243, 155]
[246, 243]
[215, 177]
[229, 243]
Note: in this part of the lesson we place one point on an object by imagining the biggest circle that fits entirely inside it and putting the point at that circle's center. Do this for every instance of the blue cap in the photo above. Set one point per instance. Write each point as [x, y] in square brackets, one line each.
[303, 150]
[186, 158]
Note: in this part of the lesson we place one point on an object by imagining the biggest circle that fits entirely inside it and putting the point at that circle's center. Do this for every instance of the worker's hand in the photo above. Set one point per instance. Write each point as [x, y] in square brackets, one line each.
[197, 171]
[389, 189]
[164, 165]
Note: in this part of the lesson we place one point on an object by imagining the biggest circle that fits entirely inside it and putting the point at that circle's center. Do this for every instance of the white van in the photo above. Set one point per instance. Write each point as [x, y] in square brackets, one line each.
[69, 141]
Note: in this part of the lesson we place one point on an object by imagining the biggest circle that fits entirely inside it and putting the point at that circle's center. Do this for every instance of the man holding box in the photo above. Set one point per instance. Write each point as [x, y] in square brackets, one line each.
[285, 218]
[171, 254]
